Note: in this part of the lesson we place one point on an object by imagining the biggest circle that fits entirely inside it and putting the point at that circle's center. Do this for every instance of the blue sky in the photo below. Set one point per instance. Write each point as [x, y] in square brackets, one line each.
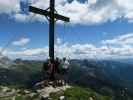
[97, 28]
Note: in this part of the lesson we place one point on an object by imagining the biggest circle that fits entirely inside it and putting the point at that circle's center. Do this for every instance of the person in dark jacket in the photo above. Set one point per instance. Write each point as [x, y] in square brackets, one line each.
[44, 70]
[57, 71]
[57, 64]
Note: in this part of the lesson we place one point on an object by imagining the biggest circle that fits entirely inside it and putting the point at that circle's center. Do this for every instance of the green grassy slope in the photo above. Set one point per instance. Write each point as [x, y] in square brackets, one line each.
[79, 93]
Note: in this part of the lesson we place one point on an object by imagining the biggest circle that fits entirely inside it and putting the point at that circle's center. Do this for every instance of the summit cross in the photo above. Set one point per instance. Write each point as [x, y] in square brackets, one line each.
[52, 16]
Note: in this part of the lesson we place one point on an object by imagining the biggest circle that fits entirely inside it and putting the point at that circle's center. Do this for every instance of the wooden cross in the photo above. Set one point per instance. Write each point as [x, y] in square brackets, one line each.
[51, 15]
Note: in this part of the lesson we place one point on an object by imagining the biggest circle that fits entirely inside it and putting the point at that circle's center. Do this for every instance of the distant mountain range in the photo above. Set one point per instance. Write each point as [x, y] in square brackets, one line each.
[108, 75]
[101, 75]
[115, 72]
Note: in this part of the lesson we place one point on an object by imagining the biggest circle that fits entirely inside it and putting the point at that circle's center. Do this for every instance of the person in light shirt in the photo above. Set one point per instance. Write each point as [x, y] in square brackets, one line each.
[65, 65]
[64, 69]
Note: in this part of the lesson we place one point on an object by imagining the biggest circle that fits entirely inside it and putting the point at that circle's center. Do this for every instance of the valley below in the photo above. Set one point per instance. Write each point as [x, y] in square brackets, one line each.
[89, 80]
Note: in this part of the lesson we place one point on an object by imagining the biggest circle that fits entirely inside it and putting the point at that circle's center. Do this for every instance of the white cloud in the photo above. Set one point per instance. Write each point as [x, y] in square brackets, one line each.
[93, 11]
[32, 54]
[123, 40]
[21, 17]
[92, 1]
[77, 51]
[21, 42]
[9, 6]
[90, 12]
[59, 41]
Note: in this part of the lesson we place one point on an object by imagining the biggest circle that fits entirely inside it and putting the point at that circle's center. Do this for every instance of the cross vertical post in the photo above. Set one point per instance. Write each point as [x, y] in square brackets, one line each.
[51, 29]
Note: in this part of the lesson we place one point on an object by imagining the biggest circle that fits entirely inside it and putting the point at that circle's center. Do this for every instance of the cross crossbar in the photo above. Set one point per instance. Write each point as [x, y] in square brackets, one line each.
[47, 13]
